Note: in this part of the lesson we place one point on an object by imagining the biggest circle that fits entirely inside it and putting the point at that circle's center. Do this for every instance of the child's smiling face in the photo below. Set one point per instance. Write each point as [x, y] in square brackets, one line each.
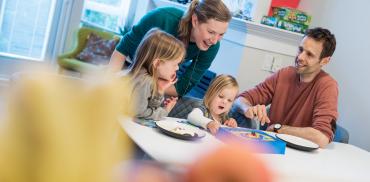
[223, 101]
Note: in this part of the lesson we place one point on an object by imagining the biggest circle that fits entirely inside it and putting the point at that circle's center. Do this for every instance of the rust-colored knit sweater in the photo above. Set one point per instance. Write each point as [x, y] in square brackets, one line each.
[294, 103]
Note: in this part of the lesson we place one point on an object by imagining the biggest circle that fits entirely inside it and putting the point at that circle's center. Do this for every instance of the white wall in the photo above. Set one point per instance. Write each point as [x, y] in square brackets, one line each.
[250, 71]
[247, 46]
[224, 63]
[350, 65]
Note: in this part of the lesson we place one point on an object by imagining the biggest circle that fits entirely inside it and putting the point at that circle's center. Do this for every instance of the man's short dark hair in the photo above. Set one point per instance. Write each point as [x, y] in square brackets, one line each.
[326, 37]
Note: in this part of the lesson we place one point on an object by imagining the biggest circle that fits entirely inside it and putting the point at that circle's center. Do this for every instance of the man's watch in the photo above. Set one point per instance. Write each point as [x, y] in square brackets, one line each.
[277, 127]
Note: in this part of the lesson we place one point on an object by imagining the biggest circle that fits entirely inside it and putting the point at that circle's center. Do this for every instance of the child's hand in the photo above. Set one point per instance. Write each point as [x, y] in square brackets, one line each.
[167, 100]
[231, 123]
[169, 103]
[163, 84]
[213, 127]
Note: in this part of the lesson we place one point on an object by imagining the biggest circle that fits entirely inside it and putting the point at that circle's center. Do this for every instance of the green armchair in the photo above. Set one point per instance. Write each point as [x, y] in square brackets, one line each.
[70, 62]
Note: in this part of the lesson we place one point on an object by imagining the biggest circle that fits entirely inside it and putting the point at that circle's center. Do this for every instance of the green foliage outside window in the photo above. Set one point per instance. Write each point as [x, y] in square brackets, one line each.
[101, 19]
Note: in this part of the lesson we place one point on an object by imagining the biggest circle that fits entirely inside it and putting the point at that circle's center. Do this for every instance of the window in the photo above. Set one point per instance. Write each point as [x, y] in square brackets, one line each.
[106, 14]
[24, 33]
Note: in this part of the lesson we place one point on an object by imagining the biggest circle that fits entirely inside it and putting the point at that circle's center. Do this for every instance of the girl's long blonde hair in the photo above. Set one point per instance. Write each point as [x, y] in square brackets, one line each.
[204, 10]
[217, 85]
[156, 44]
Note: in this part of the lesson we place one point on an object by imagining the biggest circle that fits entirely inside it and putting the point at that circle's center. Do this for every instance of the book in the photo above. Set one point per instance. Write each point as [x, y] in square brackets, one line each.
[267, 143]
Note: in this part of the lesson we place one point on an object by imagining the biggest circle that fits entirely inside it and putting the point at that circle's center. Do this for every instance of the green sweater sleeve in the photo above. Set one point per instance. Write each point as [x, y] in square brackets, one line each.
[193, 73]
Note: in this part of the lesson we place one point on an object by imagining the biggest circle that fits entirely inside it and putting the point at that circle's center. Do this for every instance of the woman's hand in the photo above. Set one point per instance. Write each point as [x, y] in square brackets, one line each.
[213, 127]
[231, 123]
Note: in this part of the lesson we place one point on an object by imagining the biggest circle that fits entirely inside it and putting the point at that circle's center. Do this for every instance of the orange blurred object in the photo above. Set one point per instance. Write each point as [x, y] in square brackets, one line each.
[229, 163]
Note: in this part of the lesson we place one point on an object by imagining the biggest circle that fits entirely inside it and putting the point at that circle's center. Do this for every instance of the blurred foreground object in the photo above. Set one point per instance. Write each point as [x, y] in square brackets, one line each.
[233, 162]
[63, 129]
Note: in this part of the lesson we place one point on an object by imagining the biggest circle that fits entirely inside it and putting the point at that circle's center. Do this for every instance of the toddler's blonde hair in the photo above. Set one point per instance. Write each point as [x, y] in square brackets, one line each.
[217, 85]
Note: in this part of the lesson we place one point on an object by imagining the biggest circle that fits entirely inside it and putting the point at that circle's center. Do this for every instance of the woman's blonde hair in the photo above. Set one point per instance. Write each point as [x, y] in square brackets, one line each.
[217, 85]
[204, 10]
[156, 44]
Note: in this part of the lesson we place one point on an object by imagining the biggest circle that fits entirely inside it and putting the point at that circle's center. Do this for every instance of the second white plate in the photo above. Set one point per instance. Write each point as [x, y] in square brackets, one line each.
[297, 142]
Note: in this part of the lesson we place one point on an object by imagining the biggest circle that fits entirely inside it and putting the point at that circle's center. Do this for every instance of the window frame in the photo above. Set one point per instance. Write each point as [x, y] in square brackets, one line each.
[60, 22]
[47, 35]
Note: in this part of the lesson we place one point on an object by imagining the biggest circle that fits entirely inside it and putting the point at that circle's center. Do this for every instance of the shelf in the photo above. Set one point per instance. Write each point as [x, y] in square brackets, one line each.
[267, 31]
[244, 25]
[251, 34]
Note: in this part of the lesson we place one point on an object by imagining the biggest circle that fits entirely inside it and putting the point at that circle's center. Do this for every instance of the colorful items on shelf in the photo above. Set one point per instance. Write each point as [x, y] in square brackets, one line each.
[269, 20]
[288, 19]
[292, 26]
[283, 3]
[292, 15]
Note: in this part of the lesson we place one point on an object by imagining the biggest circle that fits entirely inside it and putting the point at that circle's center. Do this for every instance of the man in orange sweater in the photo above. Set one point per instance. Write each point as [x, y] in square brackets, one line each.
[303, 98]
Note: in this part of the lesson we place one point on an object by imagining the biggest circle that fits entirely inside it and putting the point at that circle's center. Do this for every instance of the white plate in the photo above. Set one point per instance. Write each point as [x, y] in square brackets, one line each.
[297, 142]
[180, 130]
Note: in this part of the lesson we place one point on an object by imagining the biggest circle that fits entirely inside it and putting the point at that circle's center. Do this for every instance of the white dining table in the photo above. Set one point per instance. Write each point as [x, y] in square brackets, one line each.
[337, 162]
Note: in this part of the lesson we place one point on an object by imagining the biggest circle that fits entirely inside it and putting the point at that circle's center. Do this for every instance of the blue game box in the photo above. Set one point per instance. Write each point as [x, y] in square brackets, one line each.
[265, 142]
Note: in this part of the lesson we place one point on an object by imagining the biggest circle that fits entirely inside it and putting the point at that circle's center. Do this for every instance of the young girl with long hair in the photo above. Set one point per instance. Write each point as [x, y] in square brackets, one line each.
[156, 62]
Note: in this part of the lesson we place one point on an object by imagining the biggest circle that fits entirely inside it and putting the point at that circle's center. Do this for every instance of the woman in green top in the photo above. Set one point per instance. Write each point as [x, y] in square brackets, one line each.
[200, 29]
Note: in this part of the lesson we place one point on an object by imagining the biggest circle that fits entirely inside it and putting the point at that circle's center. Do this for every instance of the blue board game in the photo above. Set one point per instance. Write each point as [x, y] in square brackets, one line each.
[270, 144]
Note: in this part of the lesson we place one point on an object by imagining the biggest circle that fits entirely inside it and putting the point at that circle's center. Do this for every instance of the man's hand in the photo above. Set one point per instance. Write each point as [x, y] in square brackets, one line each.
[213, 127]
[308, 133]
[169, 103]
[259, 113]
[270, 128]
[163, 84]
[231, 123]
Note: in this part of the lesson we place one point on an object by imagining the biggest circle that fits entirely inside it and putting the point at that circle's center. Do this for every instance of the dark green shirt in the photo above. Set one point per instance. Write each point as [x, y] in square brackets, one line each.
[167, 19]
